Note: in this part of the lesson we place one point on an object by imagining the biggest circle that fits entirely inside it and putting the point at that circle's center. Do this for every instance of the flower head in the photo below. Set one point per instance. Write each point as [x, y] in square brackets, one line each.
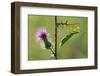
[41, 33]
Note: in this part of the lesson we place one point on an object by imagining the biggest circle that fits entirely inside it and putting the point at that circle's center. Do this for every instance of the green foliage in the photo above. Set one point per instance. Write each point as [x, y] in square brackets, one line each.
[47, 43]
[67, 37]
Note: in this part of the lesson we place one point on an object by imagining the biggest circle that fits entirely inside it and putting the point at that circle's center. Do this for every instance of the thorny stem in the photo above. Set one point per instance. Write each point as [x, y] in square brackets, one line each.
[56, 37]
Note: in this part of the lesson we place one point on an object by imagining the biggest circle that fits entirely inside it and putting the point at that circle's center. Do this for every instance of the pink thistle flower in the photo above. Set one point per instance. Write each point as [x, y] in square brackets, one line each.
[41, 33]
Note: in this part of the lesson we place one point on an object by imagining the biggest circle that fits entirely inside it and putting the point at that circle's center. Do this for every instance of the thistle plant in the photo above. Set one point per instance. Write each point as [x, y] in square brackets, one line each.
[42, 34]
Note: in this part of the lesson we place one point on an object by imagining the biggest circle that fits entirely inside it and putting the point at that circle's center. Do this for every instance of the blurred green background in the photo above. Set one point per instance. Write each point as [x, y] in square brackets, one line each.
[75, 47]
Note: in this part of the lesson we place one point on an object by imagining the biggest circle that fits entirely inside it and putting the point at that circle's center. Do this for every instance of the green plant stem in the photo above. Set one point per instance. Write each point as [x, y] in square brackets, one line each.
[53, 52]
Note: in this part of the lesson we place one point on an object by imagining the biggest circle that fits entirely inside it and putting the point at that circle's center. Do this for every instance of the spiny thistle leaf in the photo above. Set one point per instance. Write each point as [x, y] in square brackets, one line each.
[67, 37]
